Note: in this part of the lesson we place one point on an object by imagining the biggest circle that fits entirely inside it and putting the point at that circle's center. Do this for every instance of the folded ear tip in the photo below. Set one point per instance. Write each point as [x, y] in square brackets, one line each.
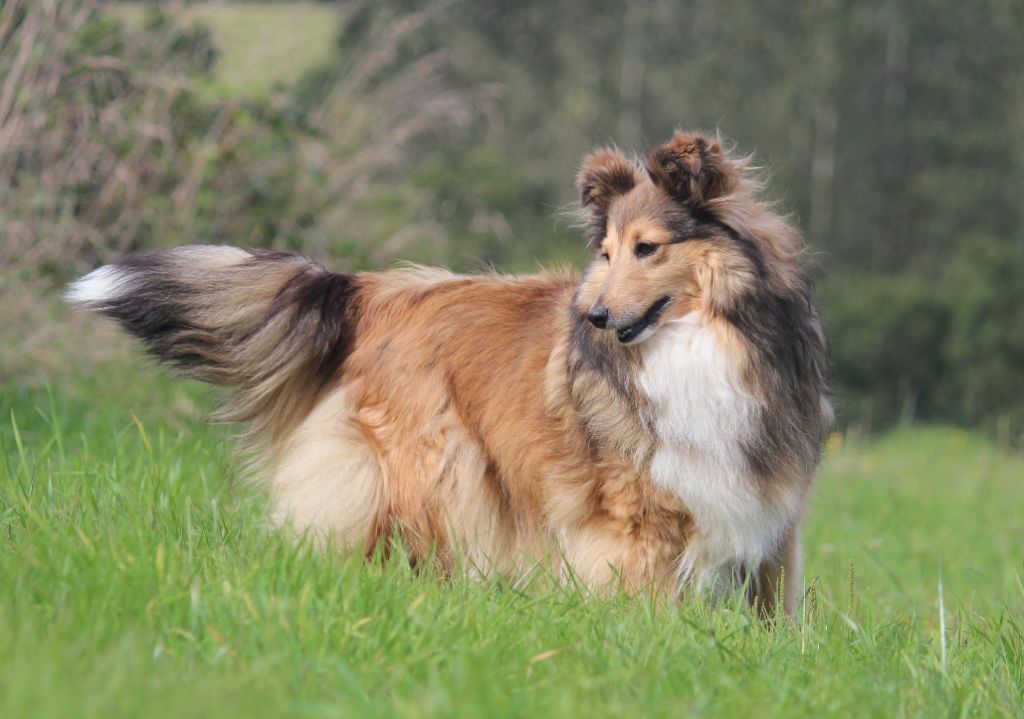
[691, 167]
[604, 175]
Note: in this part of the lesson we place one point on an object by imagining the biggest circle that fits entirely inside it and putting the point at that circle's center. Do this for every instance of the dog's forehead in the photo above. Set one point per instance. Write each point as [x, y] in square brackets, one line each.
[646, 205]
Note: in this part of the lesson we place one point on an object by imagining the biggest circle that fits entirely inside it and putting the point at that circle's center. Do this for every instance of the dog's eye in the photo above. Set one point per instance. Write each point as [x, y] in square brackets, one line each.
[643, 249]
[605, 256]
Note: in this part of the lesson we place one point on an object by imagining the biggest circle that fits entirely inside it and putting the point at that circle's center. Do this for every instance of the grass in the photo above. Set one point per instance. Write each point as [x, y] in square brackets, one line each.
[262, 44]
[138, 579]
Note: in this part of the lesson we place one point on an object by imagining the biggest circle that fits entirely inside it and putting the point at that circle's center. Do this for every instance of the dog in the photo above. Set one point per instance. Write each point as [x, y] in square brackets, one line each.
[655, 422]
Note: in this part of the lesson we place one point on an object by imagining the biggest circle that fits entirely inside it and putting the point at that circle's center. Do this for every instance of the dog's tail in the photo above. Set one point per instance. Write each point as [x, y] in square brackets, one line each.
[275, 326]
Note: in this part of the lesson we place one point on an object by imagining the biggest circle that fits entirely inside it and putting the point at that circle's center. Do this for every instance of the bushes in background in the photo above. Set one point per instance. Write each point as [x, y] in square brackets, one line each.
[949, 349]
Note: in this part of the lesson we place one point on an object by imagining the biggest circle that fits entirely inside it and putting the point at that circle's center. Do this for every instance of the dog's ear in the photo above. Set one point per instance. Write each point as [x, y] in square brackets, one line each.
[604, 176]
[691, 168]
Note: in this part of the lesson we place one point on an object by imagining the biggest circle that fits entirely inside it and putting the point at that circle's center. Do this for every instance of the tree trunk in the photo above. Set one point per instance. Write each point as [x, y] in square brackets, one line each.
[825, 121]
[632, 74]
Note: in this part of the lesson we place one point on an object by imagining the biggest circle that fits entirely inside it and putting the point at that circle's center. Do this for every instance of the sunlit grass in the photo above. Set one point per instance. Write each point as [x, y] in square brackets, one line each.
[139, 579]
[262, 44]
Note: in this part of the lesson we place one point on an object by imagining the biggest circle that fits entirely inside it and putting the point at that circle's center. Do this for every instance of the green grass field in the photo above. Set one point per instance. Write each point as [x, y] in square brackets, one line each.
[262, 44]
[139, 580]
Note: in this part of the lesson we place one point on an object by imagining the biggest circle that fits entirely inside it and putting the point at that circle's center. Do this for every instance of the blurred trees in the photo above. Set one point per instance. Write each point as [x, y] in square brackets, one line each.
[450, 132]
[883, 124]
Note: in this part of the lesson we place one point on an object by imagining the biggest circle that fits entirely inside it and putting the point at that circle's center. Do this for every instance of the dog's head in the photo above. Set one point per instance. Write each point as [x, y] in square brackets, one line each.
[658, 245]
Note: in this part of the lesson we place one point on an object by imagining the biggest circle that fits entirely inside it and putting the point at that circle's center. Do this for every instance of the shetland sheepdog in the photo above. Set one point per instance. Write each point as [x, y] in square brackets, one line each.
[655, 422]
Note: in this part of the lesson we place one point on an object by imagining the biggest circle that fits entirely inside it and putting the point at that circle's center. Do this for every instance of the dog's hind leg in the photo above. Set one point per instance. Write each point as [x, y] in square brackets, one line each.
[326, 480]
[780, 576]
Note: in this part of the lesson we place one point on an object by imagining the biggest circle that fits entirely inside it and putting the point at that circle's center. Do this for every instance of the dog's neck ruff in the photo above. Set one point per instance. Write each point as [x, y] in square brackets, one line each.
[705, 417]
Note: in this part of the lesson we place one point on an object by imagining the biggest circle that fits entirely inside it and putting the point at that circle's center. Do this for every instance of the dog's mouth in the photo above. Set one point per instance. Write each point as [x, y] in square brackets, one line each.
[632, 333]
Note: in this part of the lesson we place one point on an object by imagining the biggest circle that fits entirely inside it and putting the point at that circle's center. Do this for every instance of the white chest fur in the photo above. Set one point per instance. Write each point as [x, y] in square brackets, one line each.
[703, 417]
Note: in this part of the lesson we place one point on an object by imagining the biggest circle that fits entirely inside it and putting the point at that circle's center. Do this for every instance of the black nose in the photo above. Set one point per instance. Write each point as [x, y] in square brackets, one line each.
[598, 316]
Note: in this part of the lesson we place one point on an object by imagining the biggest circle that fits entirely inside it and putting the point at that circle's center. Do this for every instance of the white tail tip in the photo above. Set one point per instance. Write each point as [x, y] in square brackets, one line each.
[98, 287]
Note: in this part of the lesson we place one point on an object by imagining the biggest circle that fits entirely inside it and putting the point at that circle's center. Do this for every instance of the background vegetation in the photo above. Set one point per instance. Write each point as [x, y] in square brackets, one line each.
[449, 132]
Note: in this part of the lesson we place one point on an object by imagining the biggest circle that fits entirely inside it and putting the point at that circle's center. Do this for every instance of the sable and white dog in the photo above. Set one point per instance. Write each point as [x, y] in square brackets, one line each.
[656, 422]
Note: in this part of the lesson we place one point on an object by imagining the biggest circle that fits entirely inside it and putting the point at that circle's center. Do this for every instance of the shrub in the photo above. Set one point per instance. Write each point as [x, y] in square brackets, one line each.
[984, 348]
[885, 333]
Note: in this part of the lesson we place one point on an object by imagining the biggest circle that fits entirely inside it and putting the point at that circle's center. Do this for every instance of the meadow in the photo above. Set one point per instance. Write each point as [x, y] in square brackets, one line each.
[261, 44]
[140, 579]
